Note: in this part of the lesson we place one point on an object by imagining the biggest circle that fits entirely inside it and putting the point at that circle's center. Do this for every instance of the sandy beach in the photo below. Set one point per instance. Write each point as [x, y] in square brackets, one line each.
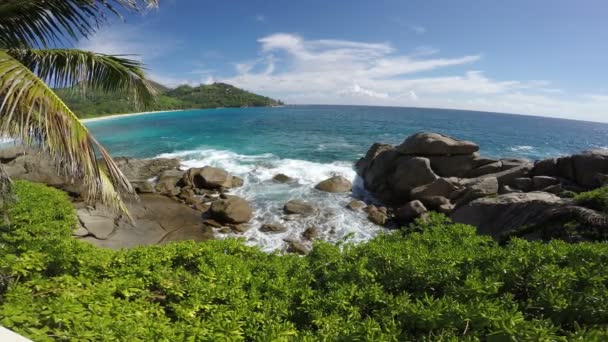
[114, 116]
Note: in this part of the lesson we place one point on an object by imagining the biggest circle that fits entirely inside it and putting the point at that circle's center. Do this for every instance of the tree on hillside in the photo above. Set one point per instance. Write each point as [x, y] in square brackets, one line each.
[33, 60]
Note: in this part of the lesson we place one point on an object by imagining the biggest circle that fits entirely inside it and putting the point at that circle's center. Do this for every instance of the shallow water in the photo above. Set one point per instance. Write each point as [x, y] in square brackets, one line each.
[312, 143]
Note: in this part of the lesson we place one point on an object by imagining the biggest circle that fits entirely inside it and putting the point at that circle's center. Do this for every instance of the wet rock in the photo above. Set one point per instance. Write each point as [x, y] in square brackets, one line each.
[376, 216]
[207, 177]
[311, 233]
[335, 184]
[297, 247]
[273, 228]
[436, 144]
[282, 178]
[298, 207]
[237, 182]
[355, 205]
[232, 209]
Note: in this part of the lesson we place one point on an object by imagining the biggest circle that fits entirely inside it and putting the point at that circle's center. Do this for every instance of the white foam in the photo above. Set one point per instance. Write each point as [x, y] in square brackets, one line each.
[521, 148]
[267, 198]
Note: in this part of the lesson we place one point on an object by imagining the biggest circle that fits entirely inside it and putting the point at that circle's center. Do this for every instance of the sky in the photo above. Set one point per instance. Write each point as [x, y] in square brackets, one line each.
[539, 57]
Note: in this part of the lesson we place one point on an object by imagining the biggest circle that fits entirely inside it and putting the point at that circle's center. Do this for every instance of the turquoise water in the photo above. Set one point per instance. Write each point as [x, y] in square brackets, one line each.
[312, 143]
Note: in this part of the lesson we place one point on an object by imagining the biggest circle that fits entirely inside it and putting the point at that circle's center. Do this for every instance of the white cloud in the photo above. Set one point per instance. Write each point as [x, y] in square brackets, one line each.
[333, 71]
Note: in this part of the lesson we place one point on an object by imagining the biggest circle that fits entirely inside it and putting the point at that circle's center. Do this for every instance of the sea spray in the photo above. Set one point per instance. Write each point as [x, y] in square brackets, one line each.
[333, 221]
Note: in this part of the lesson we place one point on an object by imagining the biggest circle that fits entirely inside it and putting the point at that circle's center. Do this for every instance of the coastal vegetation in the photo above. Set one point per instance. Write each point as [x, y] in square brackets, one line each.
[93, 104]
[432, 280]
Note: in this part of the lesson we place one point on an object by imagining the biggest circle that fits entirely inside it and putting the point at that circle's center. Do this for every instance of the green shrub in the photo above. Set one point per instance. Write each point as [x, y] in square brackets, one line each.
[595, 199]
[432, 281]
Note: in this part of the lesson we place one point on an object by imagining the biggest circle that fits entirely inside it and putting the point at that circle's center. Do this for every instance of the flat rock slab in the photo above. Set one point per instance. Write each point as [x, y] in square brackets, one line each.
[157, 219]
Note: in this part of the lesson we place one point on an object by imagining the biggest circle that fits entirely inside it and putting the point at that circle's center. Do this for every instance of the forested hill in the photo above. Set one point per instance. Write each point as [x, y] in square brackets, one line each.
[183, 97]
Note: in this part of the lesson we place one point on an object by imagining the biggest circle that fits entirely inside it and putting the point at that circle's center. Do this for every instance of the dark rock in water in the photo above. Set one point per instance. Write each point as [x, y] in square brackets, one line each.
[282, 178]
[410, 211]
[335, 184]
[311, 233]
[232, 209]
[239, 228]
[355, 205]
[504, 213]
[237, 182]
[298, 207]
[167, 183]
[207, 178]
[376, 216]
[273, 228]
[542, 182]
[436, 144]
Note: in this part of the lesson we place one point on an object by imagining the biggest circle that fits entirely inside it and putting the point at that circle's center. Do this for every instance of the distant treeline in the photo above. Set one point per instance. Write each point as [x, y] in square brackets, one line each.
[214, 95]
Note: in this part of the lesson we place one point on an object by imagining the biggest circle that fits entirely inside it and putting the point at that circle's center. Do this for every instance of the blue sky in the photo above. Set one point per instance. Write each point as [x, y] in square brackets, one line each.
[543, 57]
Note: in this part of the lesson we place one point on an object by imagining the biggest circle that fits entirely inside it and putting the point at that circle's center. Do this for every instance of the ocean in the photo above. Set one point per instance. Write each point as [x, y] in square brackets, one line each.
[312, 143]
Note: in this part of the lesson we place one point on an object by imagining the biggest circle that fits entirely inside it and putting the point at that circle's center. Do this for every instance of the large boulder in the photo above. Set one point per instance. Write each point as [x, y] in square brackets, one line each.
[588, 165]
[282, 178]
[476, 188]
[453, 166]
[231, 209]
[435, 144]
[364, 163]
[439, 187]
[410, 173]
[335, 184]
[298, 207]
[498, 215]
[207, 177]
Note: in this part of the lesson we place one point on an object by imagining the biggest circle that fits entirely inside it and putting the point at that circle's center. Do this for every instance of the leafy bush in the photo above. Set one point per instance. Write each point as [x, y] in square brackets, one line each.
[433, 281]
[596, 199]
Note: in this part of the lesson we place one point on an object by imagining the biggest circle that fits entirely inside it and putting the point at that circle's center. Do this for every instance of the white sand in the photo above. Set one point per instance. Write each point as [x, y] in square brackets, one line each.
[114, 116]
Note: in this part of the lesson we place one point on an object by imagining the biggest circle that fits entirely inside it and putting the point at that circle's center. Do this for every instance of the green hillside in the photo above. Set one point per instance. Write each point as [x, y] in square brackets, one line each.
[183, 97]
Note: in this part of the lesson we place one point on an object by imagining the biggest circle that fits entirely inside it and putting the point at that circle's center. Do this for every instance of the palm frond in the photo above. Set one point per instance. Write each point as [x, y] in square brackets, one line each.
[41, 22]
[33, 113]
[62, 68]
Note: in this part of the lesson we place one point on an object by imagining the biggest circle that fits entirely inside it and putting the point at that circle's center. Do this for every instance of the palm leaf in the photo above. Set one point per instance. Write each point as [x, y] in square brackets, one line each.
[41, 22]
[33, 113]
[62, 68]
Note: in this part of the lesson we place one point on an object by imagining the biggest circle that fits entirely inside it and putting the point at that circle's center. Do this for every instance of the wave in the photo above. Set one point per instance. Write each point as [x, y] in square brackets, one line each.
[521, 148]
[267, 198]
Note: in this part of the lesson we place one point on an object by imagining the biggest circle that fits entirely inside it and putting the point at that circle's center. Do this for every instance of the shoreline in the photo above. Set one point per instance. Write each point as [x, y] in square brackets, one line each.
[114, 116]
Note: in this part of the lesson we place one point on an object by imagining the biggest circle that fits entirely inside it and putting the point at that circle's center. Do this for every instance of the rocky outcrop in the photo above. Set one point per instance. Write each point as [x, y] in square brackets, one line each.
[211, 178]
[435, 144]
[584, 170]
[335, 184]
[144, 169]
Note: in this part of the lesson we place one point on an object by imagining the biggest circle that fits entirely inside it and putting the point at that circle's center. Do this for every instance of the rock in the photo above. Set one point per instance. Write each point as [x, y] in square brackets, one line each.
[335, 184]
[213, 223]
[144, 169]
[410, 211]
[508, 176]
[555, 189]
[237, 182]
[376, 216]
[311, 233]
[355, 205]
[503, 213]
[439, 187]
[202, 207]
[523, 184]
[436, 144]
[10, 153]
[232, 209]
[411, 172]
[453, 166]
[298, 207]
[378, 174]
[588, 165]
[97, 223]
[207, 177]
[282, 178]
[374, 151]
[239, 228]
[476, 188]
[80, 231]
[273, 228]
[511, 163]
[143, 187]
[167, 183]
[505, 189]
[486, 169]
[542, 182]
[297, 247]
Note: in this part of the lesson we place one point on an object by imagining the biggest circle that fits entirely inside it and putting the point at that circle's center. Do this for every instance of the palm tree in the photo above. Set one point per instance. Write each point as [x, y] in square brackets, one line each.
[34, 60]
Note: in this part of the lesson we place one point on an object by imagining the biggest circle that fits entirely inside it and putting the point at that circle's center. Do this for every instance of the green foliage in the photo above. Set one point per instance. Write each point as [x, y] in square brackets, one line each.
[183, 97]
[596, 199]
[433, 281]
